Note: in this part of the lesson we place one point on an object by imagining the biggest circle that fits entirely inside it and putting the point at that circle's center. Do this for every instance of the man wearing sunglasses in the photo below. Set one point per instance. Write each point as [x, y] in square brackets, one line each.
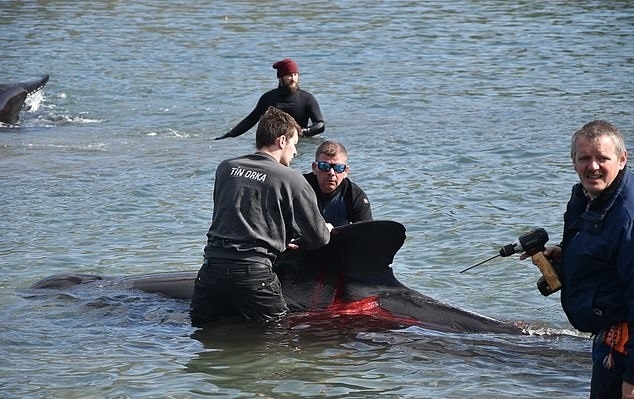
[340, 200]
[288, 97]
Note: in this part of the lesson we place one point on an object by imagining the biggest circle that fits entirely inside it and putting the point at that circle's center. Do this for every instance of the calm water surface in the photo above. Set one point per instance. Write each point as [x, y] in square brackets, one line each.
[457, 118]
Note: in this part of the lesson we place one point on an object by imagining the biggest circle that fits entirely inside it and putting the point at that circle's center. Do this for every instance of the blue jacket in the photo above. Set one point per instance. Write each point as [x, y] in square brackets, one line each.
[597, 268]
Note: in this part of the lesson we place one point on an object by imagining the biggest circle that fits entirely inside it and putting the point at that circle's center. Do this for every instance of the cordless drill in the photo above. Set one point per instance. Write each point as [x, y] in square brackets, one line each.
[533, 244]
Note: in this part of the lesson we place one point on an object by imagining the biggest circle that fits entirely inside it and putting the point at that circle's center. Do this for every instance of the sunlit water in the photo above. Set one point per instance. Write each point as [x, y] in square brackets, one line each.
[457, 118]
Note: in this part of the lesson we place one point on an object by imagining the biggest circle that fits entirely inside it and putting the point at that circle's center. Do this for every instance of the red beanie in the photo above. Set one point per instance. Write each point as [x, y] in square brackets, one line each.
[285, 67]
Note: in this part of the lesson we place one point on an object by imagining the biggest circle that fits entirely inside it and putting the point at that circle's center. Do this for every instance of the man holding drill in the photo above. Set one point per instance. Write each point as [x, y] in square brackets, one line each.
[596, 256]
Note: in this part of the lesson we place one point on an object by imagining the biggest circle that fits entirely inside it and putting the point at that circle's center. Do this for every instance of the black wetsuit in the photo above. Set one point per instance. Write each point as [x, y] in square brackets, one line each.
[347, 204]
[301, 105]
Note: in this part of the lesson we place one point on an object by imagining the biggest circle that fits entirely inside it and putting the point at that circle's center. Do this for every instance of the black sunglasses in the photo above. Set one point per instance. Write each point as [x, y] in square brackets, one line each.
[326, 166]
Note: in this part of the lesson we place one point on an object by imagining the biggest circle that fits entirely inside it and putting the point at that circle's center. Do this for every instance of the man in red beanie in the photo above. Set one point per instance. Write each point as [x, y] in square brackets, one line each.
[288, 97]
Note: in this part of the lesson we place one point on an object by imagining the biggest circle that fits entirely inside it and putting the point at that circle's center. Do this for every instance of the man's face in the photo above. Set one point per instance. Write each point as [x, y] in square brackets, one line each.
[290, 81]
[597, 163]
[329, 180]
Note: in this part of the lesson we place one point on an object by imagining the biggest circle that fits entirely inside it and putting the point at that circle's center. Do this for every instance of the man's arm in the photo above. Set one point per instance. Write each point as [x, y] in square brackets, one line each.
[359, 208]
[313, 129]
[249, 121]
[625, 266]
[309, 223]
[314, 113]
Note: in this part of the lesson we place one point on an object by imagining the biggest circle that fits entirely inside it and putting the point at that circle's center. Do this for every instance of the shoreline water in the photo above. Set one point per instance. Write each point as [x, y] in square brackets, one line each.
[457, 118]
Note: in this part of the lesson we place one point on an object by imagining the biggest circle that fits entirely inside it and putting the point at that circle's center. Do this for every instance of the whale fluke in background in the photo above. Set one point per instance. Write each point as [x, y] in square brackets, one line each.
[13, 96]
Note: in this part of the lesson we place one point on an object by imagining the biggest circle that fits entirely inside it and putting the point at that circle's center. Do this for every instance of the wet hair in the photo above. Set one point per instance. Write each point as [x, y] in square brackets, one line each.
[273, 124]
[331, 148]
[595, 129]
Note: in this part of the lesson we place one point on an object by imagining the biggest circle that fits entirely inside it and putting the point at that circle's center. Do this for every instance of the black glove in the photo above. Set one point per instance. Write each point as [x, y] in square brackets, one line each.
[313, 129]
[224, 136]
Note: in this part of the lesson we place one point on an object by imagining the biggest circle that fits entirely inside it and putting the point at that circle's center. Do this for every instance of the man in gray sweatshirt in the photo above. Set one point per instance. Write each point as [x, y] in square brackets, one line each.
[260, 206]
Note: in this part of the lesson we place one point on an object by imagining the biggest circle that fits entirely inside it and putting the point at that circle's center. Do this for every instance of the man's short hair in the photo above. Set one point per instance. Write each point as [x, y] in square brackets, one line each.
[595, 129]
[273, 124]
[331, 149]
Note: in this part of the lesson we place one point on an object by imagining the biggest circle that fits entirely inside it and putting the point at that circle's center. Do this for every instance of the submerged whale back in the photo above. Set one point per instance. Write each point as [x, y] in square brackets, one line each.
[354, 267]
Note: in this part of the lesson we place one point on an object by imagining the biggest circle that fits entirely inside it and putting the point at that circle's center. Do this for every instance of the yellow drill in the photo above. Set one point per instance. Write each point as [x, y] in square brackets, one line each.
[533, 244]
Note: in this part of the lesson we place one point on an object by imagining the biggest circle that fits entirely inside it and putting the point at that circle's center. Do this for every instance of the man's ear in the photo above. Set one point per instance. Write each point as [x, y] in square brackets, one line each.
[282, 141]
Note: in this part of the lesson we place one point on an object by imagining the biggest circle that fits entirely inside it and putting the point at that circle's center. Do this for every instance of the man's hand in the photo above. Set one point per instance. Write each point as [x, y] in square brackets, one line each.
[627, 390]
[224, 136]
[551, 253]
[294, 244]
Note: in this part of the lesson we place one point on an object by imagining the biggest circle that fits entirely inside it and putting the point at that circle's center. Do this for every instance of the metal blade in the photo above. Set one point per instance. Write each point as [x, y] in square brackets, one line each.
[479, 263]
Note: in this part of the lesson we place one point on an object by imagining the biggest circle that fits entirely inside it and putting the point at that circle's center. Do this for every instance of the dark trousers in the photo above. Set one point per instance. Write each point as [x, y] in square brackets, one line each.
[606, 383]
[225, 289]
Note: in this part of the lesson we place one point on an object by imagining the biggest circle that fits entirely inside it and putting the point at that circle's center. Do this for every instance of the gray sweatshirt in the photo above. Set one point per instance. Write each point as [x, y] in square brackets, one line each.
[259, 206]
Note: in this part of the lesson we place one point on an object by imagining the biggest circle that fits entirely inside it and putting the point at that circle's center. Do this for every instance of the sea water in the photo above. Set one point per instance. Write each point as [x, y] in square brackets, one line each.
[457, 118]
